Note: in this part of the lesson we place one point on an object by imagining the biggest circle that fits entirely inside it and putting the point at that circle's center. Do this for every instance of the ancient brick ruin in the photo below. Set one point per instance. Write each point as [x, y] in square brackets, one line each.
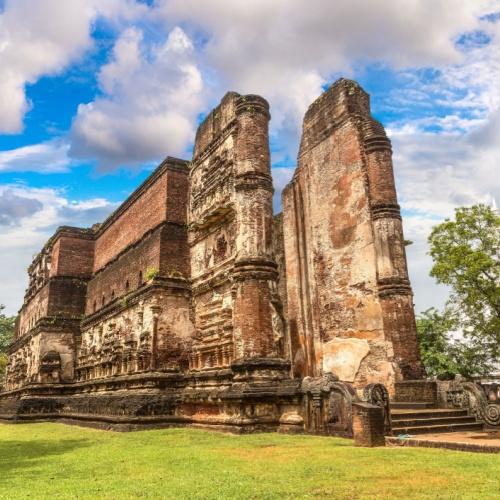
[192, 304]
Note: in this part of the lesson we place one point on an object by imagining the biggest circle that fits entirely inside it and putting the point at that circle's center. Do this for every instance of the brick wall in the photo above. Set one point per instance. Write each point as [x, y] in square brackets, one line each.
[125, 274]
[141, 216]
[144, 210]
[33, 310]
[66, 297]
[215, 123]
[63, 293]
[414, 391]
[72, 256]
[163, 250]
[368, 425]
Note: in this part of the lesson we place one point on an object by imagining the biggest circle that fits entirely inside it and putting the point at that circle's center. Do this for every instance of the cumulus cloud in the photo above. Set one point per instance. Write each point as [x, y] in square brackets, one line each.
[287, 49]
[42, 38]
[436, 173]
[46, 157]
[444, 54]
[28, 217]
[442, 162]
[152, 94]
[14, 208]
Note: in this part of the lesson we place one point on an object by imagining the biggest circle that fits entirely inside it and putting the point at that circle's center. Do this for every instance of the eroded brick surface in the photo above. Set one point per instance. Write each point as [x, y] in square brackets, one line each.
[192, 304]
[349, 301]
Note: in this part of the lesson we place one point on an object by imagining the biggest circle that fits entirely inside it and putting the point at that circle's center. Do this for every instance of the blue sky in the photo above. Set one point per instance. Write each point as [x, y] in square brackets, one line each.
[96, 92]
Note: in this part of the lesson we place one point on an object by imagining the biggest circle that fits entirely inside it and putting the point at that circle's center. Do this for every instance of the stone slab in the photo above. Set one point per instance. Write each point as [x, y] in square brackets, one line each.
[484, 442]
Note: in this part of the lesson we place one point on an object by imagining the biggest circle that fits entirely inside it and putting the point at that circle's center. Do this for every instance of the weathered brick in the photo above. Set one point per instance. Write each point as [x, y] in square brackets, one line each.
[198, 306]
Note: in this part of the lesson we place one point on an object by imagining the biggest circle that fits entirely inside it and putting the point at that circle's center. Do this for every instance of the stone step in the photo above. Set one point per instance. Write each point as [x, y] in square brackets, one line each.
[414, 406]
[397, 415]
[433, 429]
[425, 422]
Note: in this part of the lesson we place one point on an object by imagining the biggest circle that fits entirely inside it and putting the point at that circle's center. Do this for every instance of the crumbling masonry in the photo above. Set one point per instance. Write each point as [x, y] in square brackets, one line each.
[192, 304]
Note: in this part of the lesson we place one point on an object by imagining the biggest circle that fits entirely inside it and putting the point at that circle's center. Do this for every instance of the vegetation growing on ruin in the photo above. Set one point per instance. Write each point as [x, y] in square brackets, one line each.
[6, 334]
[57, 461]
[443, 355]
[151, 273]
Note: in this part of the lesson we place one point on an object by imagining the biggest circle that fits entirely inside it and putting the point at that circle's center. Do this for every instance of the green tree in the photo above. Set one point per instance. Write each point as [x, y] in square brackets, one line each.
[6, 334]
[442, 355]
[432, 329]
[466, 254]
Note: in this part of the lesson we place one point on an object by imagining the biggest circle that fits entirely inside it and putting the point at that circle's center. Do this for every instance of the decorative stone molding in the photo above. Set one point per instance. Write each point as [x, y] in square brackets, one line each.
[252, 104]
[328, 405]
[377, 394]
[254, 180]
[375, 138]
[471, 396]
[386, 210]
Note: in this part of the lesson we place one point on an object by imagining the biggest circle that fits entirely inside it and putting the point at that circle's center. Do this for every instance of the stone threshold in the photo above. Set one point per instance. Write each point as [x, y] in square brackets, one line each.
[480, 442]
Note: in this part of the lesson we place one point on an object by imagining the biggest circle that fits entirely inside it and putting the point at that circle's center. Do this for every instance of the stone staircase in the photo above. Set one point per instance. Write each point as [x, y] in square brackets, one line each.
[427, 420]
[415, 411]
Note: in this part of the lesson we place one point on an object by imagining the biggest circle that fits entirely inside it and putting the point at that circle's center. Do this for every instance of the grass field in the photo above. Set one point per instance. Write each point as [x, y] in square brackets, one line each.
[58, 461]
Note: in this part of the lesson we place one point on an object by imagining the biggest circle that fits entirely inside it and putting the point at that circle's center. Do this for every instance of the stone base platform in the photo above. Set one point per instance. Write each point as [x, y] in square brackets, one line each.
[482, 441]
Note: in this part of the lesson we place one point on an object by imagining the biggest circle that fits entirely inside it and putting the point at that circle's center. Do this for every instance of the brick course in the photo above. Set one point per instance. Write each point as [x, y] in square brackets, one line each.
[204, 308]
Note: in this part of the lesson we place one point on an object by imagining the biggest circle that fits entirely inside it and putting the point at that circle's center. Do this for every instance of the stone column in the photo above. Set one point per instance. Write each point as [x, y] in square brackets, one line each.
[392, 274]
[155, 310]
[255, 270]
[255, 267]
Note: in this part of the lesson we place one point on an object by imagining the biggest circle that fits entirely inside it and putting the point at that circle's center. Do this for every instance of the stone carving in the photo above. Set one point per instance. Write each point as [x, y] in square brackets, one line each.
[328, 405]
[472, 396]
[193, 304]
[50, 367]
[377, 394]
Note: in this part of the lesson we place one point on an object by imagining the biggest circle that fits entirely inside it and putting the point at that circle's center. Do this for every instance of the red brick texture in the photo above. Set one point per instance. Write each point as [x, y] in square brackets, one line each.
[347, 281]
[192, 304]
[368, 425]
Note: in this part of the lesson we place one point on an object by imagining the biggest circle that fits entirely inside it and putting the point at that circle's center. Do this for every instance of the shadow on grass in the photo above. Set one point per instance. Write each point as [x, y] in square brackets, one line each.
[15, 455]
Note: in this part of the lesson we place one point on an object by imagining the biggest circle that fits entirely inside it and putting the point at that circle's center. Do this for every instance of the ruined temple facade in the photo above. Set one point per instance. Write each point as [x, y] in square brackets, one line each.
[193, 304]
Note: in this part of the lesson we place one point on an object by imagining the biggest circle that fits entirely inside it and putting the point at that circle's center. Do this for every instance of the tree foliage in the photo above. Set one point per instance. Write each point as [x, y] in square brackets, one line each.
[442, 355]
[6, 329]
[6, 334]
[466, 254]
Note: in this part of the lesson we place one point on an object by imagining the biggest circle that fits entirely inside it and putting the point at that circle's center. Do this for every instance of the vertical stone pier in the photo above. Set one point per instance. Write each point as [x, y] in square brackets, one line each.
[255, 267]
[234, 271]
[392, 274]
[350, 308]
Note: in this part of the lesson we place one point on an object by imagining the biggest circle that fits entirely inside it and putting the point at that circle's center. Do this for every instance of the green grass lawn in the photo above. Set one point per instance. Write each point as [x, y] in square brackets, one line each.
[58, 461]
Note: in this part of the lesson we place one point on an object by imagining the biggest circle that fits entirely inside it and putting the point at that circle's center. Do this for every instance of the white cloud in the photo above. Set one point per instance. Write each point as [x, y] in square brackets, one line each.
[449, 158]
[28, 217]
[281, 177]
[43, 37]
[287, 49]
[152, 96]
[46, 157]
[436, 173]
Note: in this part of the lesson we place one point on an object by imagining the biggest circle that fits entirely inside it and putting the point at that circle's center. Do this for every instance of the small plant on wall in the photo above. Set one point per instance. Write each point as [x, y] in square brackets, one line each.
[151, 273]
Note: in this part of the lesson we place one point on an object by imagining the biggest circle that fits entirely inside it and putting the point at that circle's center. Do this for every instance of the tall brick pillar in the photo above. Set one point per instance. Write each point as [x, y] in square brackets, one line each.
[392, 274]
[255, 268]
[349, 301]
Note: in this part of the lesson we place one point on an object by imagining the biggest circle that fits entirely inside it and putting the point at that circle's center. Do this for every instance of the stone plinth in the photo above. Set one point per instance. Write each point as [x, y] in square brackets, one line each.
[368, 425]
